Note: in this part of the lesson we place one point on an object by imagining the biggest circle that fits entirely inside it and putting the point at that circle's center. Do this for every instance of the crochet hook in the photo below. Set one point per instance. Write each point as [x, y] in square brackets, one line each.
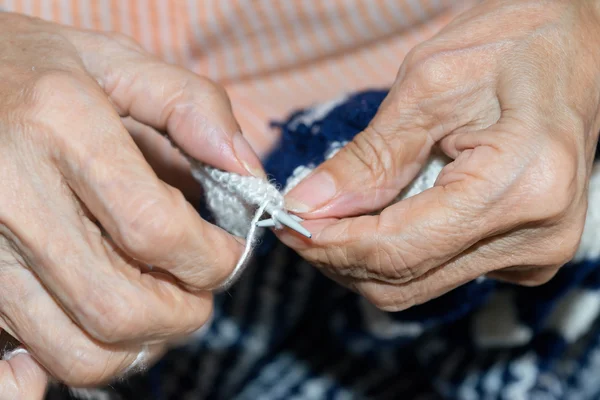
[278, 215]
[269, 223]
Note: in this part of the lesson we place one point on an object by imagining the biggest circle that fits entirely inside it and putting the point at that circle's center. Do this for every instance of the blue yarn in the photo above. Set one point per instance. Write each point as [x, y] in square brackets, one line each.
[303, 145]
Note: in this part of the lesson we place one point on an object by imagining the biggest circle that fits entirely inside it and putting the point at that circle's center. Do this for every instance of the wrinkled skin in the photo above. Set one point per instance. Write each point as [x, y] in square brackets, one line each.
[82, 300]
[510, 91]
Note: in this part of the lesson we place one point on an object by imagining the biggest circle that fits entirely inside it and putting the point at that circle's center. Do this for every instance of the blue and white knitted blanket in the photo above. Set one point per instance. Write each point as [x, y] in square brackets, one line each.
[286, 332]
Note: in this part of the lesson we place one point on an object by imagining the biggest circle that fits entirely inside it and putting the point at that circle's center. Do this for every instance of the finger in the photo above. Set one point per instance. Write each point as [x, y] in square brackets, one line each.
[105, 292]
[525, 275]
[194, 111]
[364, 175]
[395, 247]
[151, 221]
[393, 297]
[168, 163]
[502, 257]
[21, 377]
[32, 316]
[428, 101]
[100, 287]
[422, 232]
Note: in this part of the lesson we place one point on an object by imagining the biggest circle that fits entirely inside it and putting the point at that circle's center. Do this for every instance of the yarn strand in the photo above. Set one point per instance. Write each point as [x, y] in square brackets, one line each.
[251, 239]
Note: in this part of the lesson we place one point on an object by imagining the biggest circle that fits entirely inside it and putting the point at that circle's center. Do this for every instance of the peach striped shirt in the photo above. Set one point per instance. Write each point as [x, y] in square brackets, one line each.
[272, 56]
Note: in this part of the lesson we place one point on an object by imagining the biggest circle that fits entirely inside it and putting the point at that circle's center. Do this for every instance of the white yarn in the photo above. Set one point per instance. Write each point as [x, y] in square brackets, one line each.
[89, 394]
[251, 239]
[317, 112]
[233, 198]
[302, 171]
[13, 353]
[298, 175]
[140, 362]
[237, 203]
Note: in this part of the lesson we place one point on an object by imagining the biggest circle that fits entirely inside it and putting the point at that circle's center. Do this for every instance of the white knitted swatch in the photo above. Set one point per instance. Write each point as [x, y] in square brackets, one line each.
[233, 199]
[237, 203]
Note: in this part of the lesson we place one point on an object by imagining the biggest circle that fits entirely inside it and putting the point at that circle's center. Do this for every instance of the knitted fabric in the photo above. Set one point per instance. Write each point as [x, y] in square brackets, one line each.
[237, 202]
[233, 199]
[286, 332]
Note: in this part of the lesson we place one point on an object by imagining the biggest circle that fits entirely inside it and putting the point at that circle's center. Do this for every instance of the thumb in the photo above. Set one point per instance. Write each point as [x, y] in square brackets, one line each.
[21, 377]
[369, 172]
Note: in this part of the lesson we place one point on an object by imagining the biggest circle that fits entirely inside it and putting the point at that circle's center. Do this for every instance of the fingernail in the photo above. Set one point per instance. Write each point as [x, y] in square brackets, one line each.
[246, 156]
[314, 191]
[291, 240]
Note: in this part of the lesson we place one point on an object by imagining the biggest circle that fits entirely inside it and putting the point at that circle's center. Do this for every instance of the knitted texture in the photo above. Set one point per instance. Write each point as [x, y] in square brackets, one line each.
[233, 199]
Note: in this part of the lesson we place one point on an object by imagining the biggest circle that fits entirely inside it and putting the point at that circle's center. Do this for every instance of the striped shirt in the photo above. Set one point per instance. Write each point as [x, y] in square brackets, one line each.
[272, 56]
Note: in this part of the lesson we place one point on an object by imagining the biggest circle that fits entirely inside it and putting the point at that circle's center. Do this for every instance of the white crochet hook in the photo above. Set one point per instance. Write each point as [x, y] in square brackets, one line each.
[269, 223]
[280, 216]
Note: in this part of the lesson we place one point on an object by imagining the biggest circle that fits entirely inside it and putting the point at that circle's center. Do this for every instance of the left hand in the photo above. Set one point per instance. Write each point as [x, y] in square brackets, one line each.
[510, 91]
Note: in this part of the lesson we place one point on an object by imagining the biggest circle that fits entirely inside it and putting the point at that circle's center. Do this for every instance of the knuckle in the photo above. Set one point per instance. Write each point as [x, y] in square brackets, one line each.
[212, 90]
[51, 80]
[554, 183]
[386, 298]
[408, 256]
[197, 89]
[415, 56]
[150, 228]
[124, 40]
[559, 199]
[431, 71]
[372, 150]
[542, 277]
[107, 318]
[536, 276]
[57, 89]
[565, 246]
[389, 263]
[192, 96]
[83, 365]
[207, 275]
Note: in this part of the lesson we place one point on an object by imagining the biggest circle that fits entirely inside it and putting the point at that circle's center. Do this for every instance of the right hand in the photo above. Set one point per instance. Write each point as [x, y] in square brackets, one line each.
[83, 303]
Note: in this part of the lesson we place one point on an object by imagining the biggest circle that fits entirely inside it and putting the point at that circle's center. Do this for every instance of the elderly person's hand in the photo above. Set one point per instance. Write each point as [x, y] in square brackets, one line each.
[510, 91]
[82, 299]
